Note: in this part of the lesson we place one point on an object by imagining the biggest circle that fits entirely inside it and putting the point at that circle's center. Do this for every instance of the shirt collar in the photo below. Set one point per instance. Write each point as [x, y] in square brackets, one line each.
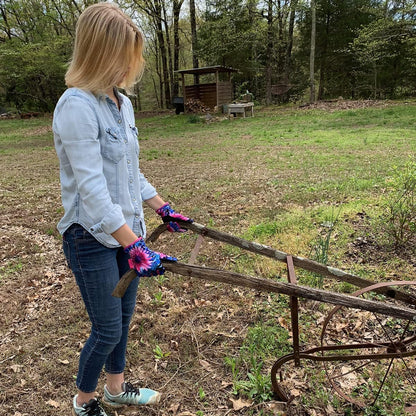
[116, 93]
[119, 96]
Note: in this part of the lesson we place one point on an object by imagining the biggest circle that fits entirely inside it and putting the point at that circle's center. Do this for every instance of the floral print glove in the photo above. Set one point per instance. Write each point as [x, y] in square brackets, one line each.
[144, 261]
[169, 216]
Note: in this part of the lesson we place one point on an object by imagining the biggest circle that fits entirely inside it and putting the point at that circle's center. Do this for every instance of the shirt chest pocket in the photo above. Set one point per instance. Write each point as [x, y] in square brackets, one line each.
[113, 146]
[135, 140]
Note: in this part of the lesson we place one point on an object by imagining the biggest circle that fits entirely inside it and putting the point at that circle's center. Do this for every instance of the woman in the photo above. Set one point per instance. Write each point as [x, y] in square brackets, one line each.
[102, 193]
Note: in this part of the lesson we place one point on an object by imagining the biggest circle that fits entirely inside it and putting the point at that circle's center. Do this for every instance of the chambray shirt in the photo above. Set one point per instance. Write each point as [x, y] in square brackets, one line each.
[102, 187]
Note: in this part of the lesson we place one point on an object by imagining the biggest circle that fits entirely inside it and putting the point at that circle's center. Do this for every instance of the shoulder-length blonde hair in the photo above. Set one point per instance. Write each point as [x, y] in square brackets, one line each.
[108, 50]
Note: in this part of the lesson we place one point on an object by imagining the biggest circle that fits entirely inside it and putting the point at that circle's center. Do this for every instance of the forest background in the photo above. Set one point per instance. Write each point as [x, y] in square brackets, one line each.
[360, 49]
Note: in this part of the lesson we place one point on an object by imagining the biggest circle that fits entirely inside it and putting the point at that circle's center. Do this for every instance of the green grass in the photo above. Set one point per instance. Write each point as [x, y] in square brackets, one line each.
[335, 154]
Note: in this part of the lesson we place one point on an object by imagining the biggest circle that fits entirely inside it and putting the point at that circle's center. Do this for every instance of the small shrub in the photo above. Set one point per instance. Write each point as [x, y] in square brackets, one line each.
[194, 119]
[397, 223]
[258, 387]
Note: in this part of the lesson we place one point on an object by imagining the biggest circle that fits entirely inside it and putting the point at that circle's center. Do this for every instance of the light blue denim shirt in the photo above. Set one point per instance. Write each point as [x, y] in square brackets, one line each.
[102, 187]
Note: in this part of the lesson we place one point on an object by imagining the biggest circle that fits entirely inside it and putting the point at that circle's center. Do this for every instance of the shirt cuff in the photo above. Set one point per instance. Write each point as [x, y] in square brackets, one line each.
[148, 193]
[111, 222]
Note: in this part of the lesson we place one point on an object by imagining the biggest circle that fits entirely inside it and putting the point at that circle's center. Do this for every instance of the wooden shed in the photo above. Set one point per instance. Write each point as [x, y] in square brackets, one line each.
[212, 94]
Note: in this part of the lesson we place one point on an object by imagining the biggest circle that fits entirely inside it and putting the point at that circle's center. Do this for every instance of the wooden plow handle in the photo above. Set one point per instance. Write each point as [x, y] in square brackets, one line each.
[301, 262]
[267, 251]
[269, 285]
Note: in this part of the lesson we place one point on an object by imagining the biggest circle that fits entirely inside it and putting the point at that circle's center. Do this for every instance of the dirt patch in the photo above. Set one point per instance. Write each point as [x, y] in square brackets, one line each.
[336, 105]
[153, 113]
[38, 131]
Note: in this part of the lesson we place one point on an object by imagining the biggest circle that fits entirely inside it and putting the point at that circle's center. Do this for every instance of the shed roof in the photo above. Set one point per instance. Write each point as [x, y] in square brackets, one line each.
[207, 70]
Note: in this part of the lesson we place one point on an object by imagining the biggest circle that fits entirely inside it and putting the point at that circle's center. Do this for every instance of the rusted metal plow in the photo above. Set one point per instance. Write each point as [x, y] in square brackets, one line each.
[368, 340]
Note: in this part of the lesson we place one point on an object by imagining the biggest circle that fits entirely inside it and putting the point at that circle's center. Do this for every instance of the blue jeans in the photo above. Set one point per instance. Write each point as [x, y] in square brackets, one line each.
[97, 270]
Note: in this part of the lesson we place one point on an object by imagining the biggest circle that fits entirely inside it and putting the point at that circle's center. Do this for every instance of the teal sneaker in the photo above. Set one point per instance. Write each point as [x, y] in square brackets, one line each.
[92, 408]
[131, 396]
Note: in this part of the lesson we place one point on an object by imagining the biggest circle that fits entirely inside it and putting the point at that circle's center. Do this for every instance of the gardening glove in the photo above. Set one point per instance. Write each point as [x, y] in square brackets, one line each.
[169, 216]
[144, 261]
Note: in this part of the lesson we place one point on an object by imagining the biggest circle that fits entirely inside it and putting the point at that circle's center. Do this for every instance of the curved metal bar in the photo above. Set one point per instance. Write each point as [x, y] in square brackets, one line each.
[308, 355]
[394, 349]
[360, 292]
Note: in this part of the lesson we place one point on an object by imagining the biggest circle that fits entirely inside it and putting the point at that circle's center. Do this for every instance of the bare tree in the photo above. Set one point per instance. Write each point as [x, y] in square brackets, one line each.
[176, 9]
[154, 10]
[192, 15]
[312, 54]
[269, 51]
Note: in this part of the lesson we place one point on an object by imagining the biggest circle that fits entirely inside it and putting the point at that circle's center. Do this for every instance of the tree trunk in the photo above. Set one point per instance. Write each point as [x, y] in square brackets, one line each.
[281, 44]
[192, 15]
[288, 60]
[169, 54]
[289, 47]
[324, 60]
[137, 99]
[154, 9]
[177, 4]
[269, 52]
[312, 54]
[158, 91]
[163, 53]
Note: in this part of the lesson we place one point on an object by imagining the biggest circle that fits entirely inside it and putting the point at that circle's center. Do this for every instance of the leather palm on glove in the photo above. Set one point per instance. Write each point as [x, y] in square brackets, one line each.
[169, 216]
[144, 261]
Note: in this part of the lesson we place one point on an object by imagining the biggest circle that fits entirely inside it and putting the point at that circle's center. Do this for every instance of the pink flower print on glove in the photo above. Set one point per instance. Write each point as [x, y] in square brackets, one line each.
[144, 261]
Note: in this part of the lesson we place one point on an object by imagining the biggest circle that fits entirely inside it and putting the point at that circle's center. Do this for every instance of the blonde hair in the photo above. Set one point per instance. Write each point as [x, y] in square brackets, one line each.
[107, 52]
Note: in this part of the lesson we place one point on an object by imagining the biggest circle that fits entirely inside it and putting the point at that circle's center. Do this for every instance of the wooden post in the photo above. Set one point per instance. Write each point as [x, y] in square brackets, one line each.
[183, 93]
[294, 310]
[217, 80]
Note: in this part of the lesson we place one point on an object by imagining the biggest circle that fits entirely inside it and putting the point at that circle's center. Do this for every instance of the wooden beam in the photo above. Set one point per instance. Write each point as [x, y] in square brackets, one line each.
[290, 289]
[271, 286]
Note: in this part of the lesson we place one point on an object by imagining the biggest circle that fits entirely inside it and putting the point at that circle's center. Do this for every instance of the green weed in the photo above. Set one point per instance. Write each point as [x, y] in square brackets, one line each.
[201, 393]
[194, 118]
[158, 297]
[151, 154]
[320, 247]
[160, 279]
[250, 378]
[257, 386]
[159, 354]
[10, 269]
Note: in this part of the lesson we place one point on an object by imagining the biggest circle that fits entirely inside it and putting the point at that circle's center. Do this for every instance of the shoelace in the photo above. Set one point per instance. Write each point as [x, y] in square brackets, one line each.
[129, 388]
[93, 408]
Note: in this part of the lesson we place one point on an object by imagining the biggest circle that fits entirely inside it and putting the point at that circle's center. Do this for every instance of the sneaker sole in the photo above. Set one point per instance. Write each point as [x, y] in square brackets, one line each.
[113, 405]
[116, 405]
